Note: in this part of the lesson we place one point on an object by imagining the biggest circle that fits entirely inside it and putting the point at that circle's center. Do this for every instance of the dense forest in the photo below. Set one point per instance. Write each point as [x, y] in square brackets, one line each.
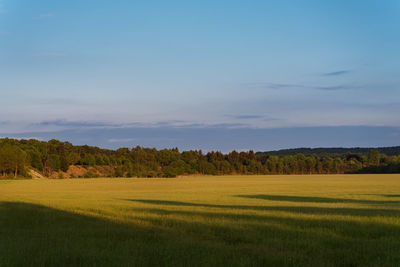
[21, 158]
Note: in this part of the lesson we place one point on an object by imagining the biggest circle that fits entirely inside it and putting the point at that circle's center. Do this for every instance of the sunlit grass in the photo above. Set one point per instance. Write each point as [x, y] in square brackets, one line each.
[316, 220]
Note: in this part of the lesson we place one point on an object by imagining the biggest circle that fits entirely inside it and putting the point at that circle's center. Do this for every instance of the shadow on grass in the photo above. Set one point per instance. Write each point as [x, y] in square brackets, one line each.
[35, 235]
[349, 228]
[320, 199]
[316, 241]
[367, 212]
[384, 195]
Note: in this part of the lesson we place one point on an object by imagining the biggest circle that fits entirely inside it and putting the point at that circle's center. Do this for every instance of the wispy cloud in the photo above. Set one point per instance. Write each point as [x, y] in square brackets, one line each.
[333, 88]
[50, 54]
[44, 16]
[190, 125]
[63, 124]
[336, 73]
[283, 85]
[250, 117]
[227, 125]
[76, 124]
[169, 123]
[245, 117]
[304, 86]
[270, 85]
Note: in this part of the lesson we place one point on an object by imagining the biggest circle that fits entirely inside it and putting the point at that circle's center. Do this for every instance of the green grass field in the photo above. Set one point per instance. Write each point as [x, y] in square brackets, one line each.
[331, 220]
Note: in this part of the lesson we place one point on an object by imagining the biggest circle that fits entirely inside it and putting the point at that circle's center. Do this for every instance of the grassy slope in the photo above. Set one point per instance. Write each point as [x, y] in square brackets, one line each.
[347, 220]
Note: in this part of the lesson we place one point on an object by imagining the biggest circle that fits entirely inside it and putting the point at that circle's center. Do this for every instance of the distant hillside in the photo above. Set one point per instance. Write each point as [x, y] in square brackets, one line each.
[389, 151]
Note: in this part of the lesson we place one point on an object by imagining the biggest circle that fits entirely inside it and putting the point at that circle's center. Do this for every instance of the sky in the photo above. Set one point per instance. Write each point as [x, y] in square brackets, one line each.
[211, 75]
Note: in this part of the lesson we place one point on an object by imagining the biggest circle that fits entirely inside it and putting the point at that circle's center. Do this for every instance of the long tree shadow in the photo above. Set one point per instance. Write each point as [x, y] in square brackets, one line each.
[35, 235]
[366, 212]
[318, 199]
[350, 228]
[384, 195]
[309, 236]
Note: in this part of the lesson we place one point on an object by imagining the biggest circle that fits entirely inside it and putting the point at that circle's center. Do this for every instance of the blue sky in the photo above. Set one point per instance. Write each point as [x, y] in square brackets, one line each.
[109, 73]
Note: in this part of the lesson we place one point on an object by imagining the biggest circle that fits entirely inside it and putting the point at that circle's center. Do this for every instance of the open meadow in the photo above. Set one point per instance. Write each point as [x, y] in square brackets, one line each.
[316, 220]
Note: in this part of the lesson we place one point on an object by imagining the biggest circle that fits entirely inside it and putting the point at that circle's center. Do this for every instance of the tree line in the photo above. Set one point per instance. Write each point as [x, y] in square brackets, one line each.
[18, 157]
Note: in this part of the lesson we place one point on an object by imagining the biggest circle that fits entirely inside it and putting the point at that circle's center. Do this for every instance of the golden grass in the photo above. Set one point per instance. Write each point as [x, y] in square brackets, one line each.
[319, 220]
